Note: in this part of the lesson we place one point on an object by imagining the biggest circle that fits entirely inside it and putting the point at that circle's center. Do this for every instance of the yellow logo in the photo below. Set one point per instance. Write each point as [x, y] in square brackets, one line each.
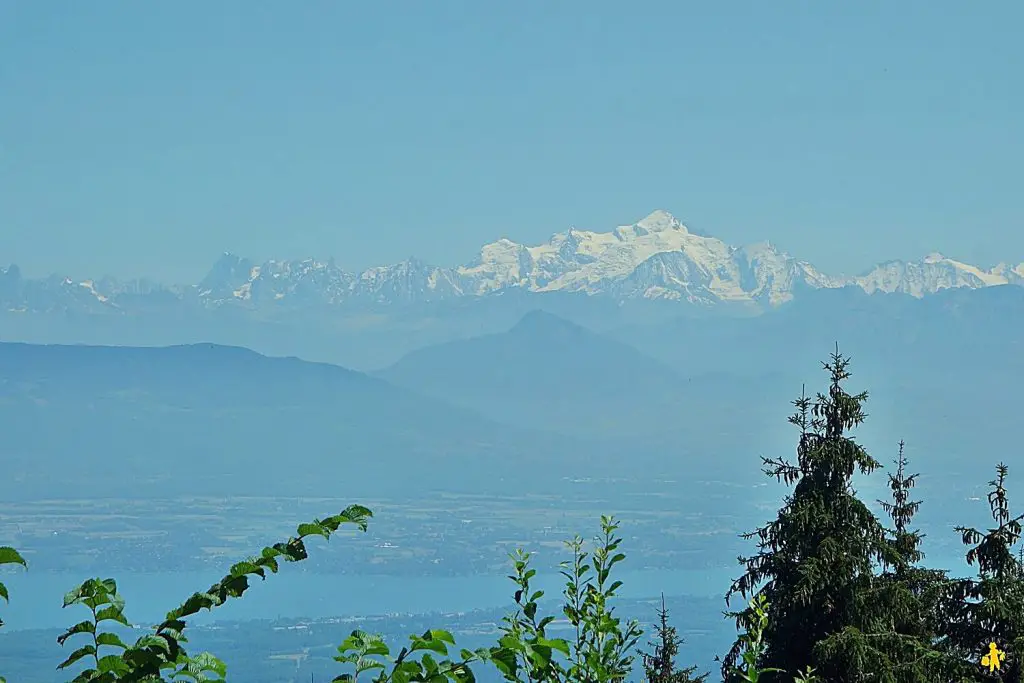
[993, 658]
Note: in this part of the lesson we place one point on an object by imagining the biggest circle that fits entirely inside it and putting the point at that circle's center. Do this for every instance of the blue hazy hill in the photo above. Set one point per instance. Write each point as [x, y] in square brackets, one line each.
[953, 330]
[78, 419]
[934, 367]
[684, 396]
[549, 373]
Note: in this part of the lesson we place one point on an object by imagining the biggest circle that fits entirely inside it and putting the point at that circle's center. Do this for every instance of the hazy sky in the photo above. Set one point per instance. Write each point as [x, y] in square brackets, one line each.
[146, 138]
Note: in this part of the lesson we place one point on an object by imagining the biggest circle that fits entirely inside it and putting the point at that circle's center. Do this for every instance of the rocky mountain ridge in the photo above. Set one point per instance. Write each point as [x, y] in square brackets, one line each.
[655, 258]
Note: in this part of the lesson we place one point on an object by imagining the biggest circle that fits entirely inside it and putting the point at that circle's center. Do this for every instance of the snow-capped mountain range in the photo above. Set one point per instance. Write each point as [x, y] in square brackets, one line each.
[655, 258]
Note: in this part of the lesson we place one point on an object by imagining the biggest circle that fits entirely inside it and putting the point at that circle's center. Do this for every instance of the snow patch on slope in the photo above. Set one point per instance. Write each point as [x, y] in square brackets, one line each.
[658, 257]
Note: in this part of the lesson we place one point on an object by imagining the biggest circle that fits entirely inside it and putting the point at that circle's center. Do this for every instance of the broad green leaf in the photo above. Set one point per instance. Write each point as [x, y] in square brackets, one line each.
[439, 634]
[112, 613]
[194, 603]
[86, 626]
[235, 586]
[9, 555]
[112, 664]
[151, 641]
[313, 529]
[111, 639]
[74, 595]
[432, 645]
[246, 567]
[356, 514]
[84, 651]
[96, 601]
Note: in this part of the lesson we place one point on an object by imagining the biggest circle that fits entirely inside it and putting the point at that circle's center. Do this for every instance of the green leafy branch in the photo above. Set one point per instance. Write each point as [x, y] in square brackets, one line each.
[524, 647]
[751, 643]
[100, 596]
[368, 652]
[603, 645]
[162, 652]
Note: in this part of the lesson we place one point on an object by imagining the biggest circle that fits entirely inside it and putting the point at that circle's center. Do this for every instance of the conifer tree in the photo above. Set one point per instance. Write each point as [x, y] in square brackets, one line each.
[660, 663]
[904, 543]
[896, 633]
[990, 608]
[815, 559]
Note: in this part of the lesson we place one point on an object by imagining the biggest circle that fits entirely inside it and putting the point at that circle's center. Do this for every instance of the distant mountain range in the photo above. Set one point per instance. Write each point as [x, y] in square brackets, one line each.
[660, 400]
[205, 419]
[657, 258]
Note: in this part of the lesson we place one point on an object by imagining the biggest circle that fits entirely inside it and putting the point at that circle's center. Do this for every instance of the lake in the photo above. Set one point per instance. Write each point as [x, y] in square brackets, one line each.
[36, 598]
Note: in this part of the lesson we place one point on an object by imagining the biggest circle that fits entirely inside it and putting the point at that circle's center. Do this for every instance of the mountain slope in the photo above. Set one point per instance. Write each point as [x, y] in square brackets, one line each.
[548, 373]
[540, 354]
[212, 419]
[943, 371]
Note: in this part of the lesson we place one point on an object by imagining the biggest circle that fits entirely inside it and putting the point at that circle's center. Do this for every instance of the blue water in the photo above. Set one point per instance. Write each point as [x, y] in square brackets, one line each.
[36, 598]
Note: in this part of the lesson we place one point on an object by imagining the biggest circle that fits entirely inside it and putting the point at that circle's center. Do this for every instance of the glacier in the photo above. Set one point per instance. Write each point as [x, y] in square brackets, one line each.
[656, 258]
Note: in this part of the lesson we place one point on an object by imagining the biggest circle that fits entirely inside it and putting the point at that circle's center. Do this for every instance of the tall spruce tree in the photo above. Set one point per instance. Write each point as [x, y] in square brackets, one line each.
[990, 608]
[895, 635]
[815, 559]
[905, 544]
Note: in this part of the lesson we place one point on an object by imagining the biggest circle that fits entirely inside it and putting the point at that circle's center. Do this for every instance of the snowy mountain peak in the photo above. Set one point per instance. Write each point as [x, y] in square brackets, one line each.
[655, 258]
[659, 221]
[933, 273]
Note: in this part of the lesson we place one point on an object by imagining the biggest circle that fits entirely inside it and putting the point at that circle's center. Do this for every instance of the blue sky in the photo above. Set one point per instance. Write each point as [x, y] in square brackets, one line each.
[146, 138]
